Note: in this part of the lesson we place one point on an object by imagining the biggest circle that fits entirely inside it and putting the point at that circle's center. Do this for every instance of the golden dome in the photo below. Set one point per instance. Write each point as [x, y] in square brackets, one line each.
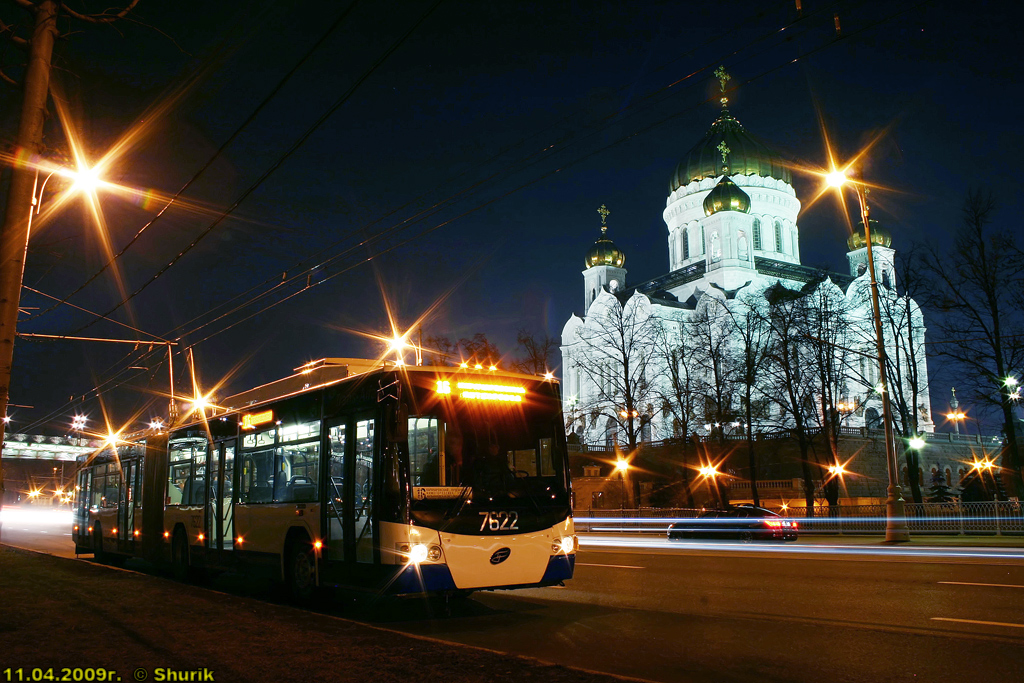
[880, 237]
[604, 252]
[726, 196]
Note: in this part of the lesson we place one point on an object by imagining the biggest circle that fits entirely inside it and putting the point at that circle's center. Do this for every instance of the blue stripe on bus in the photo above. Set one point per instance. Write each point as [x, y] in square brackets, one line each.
[560, 567]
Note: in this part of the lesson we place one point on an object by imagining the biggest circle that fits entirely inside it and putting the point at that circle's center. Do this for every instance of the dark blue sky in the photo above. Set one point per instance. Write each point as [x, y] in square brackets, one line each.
[507, 124]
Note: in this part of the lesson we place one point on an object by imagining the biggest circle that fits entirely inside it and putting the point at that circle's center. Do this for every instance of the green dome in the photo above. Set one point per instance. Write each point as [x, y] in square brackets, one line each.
[745, 156]
[604, 252]
[726, 197]
[879, 236]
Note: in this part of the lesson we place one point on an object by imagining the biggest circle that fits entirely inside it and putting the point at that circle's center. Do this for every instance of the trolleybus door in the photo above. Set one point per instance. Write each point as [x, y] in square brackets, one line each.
[126, 505]
[337, 495]
[211, 520]
[227, 521]
[363, 484]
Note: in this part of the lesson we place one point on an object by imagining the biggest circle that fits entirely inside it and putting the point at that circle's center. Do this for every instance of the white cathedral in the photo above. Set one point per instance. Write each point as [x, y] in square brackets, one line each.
[731, 216]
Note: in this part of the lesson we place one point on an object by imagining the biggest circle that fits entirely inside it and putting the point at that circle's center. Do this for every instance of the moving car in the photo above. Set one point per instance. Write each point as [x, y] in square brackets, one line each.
[741, 522]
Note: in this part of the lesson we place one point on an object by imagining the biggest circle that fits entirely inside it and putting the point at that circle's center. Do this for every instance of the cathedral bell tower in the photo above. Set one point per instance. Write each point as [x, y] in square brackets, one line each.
[881, 249]
[604, 265]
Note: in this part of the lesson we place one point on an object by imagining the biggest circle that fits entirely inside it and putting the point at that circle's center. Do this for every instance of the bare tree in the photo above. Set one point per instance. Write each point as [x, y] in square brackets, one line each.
[677, 389]
[440, 350]
[752, 332]
[826, 330]
[790, 383]
[536, 353]
[478, 350]
[977, 287]
[714, 358]
[614, 353]
[906, 362]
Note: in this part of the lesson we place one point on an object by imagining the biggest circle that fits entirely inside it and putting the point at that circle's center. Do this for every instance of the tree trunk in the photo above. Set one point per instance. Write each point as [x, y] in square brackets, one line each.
[913, 474]
[752, 458]
[14, 234]
[805, 466]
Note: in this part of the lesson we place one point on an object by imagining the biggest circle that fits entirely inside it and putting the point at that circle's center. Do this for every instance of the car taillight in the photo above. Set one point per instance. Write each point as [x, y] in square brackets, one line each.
[775, 524]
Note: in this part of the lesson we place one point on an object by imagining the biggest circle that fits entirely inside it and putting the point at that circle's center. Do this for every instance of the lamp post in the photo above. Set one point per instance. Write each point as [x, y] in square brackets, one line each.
[955, 415]
[895, 516]
[622, 466]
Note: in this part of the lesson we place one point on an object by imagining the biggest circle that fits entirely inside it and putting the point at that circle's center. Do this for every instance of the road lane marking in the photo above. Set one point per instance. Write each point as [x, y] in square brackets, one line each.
[616, 566]
[992, 585]
[982, 623]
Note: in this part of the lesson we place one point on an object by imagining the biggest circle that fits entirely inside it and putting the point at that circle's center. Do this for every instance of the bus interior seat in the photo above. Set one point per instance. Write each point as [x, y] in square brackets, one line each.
[192, 491]
[301, 489]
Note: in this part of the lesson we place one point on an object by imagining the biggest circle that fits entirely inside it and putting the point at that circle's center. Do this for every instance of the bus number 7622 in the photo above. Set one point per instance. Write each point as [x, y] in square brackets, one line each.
[499, 521]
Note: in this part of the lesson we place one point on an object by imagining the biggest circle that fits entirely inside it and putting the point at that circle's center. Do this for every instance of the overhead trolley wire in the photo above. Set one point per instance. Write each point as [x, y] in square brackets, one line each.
[209, 162]
[277, 164]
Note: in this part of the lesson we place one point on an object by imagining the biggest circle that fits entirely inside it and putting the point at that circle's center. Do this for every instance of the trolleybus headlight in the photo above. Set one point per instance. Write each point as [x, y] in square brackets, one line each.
[418, 553]
[565, 545]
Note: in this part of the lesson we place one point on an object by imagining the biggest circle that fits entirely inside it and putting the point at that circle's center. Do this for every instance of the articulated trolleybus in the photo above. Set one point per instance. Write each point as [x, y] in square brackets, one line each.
[397, 479]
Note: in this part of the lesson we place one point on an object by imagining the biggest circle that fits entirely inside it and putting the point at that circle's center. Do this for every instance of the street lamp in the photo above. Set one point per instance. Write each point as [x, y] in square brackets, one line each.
[622, 466]
[955, 415]
[78, 425]
[895, 517]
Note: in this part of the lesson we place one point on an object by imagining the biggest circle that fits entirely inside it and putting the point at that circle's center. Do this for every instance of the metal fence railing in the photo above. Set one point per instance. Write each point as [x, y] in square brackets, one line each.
[986, 518]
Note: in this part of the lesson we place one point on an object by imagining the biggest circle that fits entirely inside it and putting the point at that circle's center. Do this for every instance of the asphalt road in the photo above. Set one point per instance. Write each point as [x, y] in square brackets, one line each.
[643, 607]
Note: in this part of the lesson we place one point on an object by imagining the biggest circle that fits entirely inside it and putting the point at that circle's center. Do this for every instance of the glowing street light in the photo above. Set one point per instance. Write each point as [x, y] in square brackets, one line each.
[895, 522]
[622, 466]
[917, 443]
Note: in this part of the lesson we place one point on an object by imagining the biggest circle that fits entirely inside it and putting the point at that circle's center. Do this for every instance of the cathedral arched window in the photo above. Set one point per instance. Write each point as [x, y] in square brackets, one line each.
[756, 232]
[611, 433]
[703, 242]
[871, 419]
[778, 236]
[741, 247]
[716, 247]
[686, 244]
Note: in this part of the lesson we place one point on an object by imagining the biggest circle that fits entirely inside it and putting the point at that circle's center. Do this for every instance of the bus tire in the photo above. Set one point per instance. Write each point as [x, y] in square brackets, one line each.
[300, 570]
[97, 544]
[180, 560]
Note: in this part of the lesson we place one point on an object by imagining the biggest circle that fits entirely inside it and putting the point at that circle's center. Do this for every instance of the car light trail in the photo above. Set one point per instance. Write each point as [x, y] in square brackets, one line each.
[635, 542]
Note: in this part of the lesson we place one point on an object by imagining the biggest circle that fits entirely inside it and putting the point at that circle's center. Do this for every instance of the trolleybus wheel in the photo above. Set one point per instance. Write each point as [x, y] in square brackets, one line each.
[180, 557]
[300, 571]
[97, 544]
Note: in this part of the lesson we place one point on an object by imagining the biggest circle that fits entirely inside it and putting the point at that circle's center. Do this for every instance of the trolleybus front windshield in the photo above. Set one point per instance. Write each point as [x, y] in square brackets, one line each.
[470, 456]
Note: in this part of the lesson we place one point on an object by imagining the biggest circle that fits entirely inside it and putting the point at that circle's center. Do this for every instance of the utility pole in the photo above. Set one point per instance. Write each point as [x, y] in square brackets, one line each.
[14, 232]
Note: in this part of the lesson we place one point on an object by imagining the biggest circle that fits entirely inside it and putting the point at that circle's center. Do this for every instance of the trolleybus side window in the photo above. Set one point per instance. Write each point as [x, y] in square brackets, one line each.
[364, 490]
[298, 465]
[297, 473]
[257, 479]
[112, 490]
[186, 473]
[424, 451]
[336, 492]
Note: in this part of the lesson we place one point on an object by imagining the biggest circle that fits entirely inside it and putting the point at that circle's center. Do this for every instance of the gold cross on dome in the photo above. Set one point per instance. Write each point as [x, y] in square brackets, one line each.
[724, 149]
[604, 213]
[723, 78]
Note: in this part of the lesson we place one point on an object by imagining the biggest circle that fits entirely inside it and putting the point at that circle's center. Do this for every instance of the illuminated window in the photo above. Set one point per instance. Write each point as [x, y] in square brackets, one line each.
[756, 234]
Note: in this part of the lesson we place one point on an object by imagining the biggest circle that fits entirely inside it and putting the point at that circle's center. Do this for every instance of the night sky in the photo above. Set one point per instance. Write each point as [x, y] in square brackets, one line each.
[466, 165]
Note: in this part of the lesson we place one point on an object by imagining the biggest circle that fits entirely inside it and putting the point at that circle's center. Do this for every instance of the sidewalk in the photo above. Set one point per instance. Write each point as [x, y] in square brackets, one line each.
[60, 613]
